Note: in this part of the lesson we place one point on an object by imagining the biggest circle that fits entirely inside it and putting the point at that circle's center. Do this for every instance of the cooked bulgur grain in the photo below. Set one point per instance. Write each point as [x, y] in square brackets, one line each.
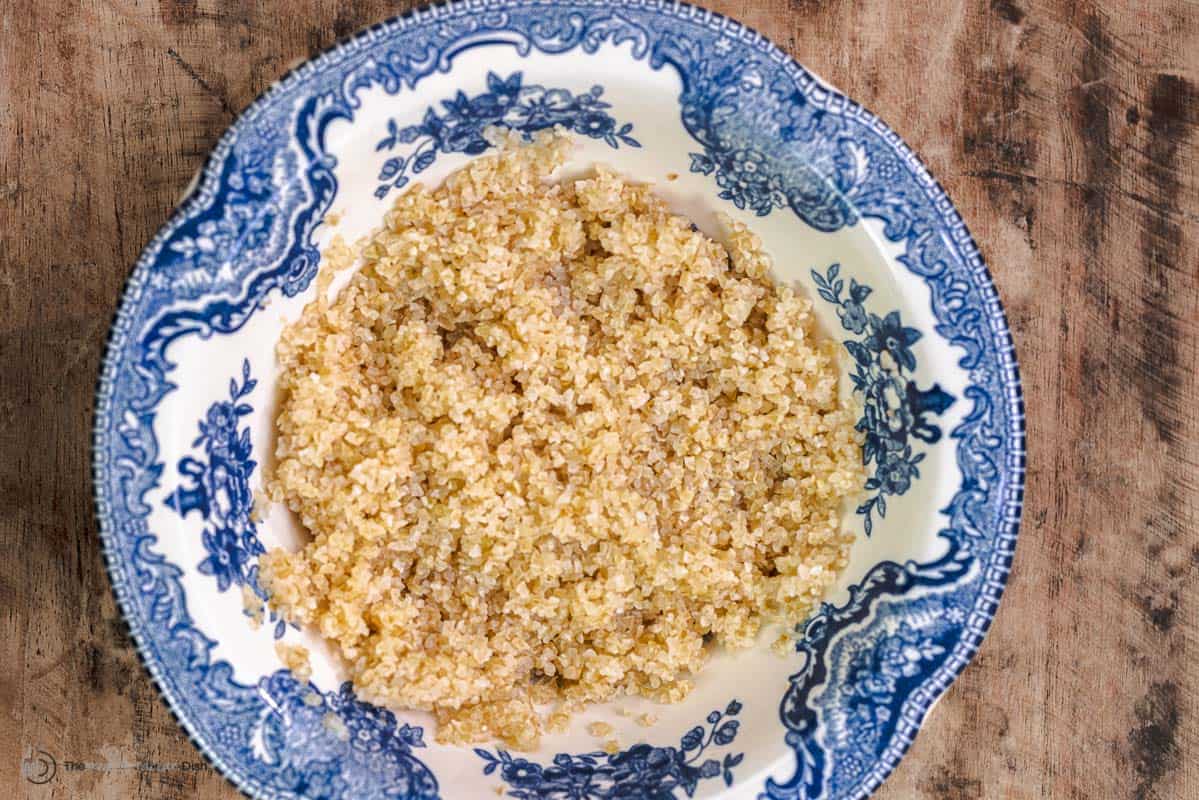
[551, 432]
[335, 726]
[647, 720]
[259, 505]
[599, 729]
[295, 658]
[252, 604]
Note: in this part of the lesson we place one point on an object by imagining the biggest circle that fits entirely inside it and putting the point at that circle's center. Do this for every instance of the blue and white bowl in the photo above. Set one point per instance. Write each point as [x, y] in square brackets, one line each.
[722, 121]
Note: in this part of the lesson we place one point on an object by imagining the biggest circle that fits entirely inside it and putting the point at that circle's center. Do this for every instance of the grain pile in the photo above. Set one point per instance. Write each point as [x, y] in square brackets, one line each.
[553, 443]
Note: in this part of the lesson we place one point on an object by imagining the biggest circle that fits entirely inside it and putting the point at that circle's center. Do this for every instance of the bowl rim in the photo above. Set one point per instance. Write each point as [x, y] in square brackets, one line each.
[199, 190]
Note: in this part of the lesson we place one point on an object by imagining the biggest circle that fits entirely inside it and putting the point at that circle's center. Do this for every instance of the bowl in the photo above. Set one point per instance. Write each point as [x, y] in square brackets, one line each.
[721, 121]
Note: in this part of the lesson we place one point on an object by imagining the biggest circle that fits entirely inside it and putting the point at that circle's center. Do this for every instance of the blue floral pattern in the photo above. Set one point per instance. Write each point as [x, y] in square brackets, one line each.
[875, 673]
[774, 139]
[872, 672]
[757, 144]
[245, 224]
[507, 103]
[219, 489]
[218, 248]
[641, 771]
[333, 745]
[895, 410]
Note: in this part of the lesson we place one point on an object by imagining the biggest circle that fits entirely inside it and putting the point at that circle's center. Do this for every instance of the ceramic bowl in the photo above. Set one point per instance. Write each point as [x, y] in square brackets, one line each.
[721, 121]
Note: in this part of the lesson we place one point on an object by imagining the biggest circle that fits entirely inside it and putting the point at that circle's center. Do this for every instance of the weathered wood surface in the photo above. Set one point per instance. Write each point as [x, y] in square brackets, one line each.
[1064, 131]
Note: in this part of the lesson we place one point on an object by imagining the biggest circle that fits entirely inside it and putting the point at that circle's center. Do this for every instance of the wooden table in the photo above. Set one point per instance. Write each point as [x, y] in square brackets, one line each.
[1065, 132]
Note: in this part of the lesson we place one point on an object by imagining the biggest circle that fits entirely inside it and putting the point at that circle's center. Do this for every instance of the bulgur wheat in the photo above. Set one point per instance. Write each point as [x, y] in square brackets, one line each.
[551, 435]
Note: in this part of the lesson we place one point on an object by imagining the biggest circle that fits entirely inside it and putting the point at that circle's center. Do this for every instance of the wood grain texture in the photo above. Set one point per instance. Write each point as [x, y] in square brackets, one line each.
[1064, 131]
